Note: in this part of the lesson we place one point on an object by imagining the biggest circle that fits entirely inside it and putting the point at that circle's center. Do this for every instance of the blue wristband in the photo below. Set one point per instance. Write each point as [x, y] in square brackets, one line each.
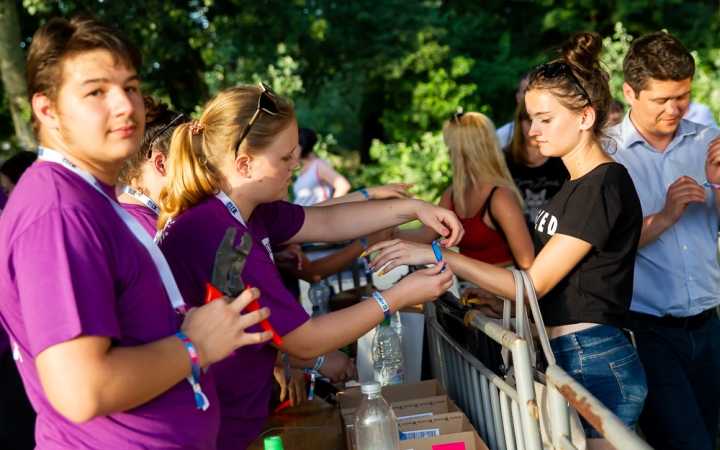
[438, 253]
[365, 193]
[364, 243]
[383, 304]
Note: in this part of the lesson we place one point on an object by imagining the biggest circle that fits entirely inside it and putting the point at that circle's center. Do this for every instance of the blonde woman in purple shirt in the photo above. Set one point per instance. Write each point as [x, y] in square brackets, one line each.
[232, 168]
[88, 300]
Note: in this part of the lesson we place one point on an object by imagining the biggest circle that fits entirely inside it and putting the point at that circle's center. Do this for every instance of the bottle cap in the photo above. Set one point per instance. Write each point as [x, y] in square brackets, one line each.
[316, 278]
[273, 443]
[371, 387]
[385, 323]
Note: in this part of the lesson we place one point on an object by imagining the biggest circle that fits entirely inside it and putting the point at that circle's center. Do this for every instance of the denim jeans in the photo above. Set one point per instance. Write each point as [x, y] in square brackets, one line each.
[603, 361]
[682, 409]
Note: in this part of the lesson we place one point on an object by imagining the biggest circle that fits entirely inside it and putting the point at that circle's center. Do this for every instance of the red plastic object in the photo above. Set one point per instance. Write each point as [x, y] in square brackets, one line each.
[213, 294]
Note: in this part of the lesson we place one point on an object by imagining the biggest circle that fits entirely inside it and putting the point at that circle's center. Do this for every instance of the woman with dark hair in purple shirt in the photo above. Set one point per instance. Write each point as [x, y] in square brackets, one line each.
[231, 169]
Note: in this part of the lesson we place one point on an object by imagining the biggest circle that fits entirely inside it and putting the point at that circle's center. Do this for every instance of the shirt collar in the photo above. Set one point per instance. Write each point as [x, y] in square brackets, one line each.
[631, 135]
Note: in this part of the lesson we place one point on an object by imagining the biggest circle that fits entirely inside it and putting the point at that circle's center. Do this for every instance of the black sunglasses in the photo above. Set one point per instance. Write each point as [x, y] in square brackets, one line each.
[163, 129]
[266, 103]
[555, 69]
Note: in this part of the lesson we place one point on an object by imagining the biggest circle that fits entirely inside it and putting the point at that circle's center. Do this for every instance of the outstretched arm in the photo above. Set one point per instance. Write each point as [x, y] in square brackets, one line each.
[327, 174]
[395, 190]
[351, 220]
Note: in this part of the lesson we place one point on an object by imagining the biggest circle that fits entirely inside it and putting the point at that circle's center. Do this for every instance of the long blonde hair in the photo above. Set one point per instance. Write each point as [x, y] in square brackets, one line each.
[193, 161]
[475, 155]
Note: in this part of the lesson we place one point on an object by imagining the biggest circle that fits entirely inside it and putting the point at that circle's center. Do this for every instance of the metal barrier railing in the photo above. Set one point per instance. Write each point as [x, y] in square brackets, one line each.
[506, 418]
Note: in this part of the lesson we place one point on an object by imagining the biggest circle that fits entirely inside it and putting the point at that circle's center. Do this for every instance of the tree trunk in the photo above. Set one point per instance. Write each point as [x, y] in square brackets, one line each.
[12, 69]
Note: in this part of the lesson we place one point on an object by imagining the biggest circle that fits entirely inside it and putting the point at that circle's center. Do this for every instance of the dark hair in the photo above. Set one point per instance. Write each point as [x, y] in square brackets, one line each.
[307, 139]
[656, 56]
[157, 117]
[59, 39]
[582, 55]
[14, 167]
[617, 106]
[517, 142]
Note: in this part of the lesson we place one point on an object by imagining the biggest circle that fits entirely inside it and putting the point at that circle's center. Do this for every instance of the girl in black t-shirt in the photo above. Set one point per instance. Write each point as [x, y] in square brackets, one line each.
[586, 236]
[537, 177]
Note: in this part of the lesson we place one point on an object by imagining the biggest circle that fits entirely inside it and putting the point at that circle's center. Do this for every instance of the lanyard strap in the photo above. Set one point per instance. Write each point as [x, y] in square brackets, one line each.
[223, 197]
[137, 230]
[147, 201]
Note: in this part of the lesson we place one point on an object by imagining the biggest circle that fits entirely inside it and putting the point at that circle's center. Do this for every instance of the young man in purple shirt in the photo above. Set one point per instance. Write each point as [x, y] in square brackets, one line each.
[86, 294]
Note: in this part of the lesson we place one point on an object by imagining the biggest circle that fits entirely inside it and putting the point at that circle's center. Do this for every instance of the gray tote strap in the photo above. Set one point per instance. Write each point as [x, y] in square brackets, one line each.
[539, 323]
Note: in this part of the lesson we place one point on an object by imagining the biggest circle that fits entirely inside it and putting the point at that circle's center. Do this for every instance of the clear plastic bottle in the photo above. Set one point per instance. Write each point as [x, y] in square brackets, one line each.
[387, 356]
[396, 324]
[375, 422]
[319, 295]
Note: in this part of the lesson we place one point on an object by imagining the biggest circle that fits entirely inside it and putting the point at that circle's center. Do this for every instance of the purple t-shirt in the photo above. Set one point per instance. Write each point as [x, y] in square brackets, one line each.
[71, 267]
[146, 216]
[4, 341]
[189, 242]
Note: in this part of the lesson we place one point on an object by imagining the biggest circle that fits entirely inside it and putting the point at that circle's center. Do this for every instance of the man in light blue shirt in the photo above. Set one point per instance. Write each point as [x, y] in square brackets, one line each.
[677, 278]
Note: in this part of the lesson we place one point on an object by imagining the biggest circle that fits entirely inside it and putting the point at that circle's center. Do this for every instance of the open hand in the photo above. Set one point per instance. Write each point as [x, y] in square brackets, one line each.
[399, 253]
[296, 390]
[483, 301]
[443, 221]
[217, 329]
[422, 286]
[290, 258]
[394, 190]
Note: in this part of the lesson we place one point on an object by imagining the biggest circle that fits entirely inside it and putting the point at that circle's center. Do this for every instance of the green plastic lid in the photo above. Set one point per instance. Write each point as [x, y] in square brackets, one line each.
[385, 323]
[273, 443]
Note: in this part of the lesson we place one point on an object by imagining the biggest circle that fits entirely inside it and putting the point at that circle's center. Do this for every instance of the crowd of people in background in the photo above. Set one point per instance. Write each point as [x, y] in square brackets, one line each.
[109, 236]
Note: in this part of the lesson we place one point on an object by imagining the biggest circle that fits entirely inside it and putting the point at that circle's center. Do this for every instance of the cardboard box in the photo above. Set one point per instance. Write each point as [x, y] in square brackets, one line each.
[410, 399]
[440, 430]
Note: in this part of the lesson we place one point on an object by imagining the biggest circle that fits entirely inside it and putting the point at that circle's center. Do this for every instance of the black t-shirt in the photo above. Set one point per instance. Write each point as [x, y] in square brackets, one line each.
[537, 185]
[603, 209]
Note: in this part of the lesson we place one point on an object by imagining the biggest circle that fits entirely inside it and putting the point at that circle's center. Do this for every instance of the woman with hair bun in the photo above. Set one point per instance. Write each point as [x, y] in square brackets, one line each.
[586, 236]
[143, 174]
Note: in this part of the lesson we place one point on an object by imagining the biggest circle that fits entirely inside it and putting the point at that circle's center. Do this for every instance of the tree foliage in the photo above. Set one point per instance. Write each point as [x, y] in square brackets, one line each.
[379, 76]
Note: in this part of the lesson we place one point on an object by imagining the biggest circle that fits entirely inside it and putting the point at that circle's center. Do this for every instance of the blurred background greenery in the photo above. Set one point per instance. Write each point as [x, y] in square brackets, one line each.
[375, 78]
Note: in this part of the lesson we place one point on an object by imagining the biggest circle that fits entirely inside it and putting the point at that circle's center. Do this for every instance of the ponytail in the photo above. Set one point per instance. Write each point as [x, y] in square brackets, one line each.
[190, 176]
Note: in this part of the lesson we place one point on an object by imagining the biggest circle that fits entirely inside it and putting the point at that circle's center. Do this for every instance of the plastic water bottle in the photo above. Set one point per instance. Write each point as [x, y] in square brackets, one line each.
[396, 324]
[315, 311]
[387, 356]
[375, 422]
[319, 295]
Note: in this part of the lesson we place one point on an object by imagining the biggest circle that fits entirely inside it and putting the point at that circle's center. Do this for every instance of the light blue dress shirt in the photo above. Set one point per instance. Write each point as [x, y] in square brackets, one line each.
[678, 273]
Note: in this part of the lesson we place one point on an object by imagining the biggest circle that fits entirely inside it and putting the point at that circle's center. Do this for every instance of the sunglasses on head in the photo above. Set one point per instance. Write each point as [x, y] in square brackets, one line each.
[266, 104]
[556, 69]
[457, 116]
[163, 129]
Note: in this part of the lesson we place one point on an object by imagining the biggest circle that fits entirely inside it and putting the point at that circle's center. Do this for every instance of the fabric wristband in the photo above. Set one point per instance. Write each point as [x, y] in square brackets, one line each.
[200, 399]
[313, 376]
[365, 193]
[438, 253]
[383, 304]
[711, 185]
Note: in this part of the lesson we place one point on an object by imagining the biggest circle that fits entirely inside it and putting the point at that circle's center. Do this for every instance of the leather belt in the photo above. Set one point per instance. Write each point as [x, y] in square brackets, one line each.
[687, 323]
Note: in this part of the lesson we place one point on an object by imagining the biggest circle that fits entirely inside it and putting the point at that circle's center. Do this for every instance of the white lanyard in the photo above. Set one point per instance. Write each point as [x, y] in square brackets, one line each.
[230, 206]
[147, 201]
[137, 230]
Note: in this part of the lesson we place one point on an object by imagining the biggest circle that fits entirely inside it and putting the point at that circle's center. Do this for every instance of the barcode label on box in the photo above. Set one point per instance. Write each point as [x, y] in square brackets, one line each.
[416, 416]
[422, 433]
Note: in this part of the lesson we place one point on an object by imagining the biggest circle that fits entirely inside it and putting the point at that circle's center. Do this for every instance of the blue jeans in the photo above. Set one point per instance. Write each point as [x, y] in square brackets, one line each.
[682, 409]
[603, 361]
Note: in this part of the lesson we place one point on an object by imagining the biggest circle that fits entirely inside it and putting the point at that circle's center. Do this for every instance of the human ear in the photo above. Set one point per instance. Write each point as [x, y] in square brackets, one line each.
[588, 119]
[44, 111]
[242, 165]
[158, 163]
[629, 94]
